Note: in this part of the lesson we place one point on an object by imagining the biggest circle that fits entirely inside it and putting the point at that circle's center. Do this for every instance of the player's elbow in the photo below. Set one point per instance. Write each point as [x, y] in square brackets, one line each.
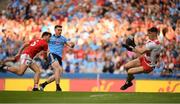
[38, 72]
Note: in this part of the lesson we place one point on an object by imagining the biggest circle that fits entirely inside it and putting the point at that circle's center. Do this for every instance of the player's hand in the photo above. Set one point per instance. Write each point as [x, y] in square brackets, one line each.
[72, 45]
[129, 48]
[18, 54]
[130, 42]
[17, 57]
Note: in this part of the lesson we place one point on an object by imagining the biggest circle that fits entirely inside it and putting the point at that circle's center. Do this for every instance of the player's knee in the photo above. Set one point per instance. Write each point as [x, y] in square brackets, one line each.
[126, 67]
[129, 72]
[38, 72]
[20, 72]
[129, 65]
[55, 65]
[57, 69]
[61, 70]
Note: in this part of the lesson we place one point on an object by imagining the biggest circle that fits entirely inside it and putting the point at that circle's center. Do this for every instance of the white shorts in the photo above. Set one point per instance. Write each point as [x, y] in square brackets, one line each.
[26, 59]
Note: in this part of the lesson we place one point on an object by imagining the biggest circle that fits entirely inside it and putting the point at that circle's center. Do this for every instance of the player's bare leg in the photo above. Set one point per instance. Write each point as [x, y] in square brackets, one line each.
[57, 72]
[37, 71]
[131, 64]
[128, 67]
[55, 77]
[17, 70]
[49, 80]
[3, 62]
[130, 77]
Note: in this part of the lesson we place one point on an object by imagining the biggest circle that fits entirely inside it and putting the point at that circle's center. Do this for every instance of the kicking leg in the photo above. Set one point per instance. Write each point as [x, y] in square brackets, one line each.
[128, 66]
[130, 77]
[55, 77]
[132, 64]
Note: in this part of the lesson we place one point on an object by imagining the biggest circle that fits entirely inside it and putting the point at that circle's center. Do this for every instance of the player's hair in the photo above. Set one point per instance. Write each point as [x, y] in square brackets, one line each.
[153, 29]
[46, 34]
[57, 26]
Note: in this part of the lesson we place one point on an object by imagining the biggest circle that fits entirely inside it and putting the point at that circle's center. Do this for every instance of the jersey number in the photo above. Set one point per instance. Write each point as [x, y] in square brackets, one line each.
[34, 43]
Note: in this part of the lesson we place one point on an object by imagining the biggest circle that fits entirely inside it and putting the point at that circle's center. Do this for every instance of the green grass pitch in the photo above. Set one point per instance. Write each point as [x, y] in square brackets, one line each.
[87, 97]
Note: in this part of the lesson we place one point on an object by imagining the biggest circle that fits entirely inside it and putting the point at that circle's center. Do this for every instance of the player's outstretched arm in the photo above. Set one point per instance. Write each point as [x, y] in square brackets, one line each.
[16, 57]
[10, 59]
[22, 48]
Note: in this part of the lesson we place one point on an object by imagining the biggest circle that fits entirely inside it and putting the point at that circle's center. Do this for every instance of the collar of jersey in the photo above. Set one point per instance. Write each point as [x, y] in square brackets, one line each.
[57, 36]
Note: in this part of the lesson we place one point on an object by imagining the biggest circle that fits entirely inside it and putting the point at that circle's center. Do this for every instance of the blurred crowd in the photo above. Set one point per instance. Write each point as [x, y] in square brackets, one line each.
[98, 27]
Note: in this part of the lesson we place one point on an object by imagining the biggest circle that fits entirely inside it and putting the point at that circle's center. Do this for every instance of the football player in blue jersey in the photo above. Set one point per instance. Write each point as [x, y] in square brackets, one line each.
[56, 46]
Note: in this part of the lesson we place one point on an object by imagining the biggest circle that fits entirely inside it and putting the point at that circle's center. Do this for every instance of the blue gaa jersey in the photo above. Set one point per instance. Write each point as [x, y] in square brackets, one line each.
[56, 44]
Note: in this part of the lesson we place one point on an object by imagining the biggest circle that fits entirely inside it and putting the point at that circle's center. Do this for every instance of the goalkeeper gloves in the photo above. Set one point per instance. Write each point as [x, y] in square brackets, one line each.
[129, 48]
[130, 44]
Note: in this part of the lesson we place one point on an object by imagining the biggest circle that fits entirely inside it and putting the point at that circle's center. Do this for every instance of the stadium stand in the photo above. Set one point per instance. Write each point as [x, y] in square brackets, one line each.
[98, 27]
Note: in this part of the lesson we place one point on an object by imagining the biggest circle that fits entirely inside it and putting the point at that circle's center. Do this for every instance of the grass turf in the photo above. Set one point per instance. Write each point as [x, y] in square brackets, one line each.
[87, 97]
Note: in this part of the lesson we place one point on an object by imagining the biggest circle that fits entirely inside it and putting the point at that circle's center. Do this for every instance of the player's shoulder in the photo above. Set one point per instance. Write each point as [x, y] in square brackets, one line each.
[63, 37]
[42, 41]
[151, 44]
[53, 37]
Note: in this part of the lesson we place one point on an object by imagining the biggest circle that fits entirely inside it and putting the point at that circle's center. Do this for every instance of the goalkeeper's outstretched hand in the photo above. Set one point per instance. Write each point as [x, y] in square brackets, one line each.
[129, 48]
[130, 42]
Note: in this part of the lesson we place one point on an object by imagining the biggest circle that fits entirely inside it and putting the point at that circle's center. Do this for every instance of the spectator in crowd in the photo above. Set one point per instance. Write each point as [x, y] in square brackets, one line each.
[109, 66]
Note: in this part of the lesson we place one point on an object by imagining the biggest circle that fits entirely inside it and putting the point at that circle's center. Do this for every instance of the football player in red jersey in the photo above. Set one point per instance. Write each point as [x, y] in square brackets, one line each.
[149, 55]
[27, 53]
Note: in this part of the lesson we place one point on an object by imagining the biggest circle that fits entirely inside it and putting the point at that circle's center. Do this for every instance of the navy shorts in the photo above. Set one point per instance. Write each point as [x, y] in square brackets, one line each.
[53, 57]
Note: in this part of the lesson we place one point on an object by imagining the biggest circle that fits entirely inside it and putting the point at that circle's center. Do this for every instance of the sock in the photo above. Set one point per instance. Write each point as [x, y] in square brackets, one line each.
[44, 84]
[57, 86]
[130, 77]
[35, 85]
